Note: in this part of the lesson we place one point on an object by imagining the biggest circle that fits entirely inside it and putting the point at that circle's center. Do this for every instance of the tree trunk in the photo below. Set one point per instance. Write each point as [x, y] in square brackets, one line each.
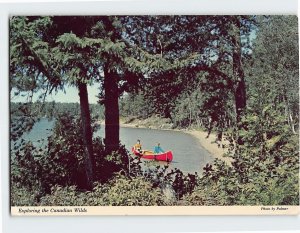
[288, 114]
[238, 73]
[111, 109]
[292, 124]
[87, 134]
[290, 118]
[240, 99]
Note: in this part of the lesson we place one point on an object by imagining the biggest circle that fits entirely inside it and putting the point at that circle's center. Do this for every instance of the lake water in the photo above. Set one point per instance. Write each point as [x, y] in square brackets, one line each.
[188, 154]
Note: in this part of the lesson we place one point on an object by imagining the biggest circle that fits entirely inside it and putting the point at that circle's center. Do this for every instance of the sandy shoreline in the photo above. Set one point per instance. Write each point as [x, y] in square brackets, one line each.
[207, 143]
[210, 145]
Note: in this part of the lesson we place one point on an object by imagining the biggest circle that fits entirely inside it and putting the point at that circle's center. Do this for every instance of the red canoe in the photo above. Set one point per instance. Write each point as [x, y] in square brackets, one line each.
[166, 156]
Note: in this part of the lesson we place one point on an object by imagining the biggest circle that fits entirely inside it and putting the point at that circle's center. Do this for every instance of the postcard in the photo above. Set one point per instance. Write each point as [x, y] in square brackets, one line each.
[154, 115]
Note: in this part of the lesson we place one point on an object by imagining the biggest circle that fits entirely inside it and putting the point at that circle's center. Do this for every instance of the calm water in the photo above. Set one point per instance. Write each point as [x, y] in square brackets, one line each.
[188, 154]
[41, 130]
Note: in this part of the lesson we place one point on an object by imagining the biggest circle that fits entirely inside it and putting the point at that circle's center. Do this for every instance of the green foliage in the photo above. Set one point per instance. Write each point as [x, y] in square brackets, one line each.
[174, 183]
[121, 191]
[50, 110]
[133, 192]
[58, 159]
[265, 170]
[112, 163]
[273, 70]
[31, 60]
[64, 196]
[22, 196]
[187, 111]
[135, 106]
[18, 126]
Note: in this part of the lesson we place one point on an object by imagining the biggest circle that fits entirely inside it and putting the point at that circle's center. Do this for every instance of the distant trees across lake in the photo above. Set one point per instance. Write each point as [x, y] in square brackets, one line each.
[52, 109]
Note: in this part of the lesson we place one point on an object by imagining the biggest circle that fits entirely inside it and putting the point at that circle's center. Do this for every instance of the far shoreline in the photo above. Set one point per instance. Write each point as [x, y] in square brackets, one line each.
[201, 136]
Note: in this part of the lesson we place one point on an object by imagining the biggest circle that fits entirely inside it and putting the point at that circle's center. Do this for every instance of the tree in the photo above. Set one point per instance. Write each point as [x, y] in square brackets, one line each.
[274, 70]
[215, 45]
[33, 47]
[29, 73]
[238, 73]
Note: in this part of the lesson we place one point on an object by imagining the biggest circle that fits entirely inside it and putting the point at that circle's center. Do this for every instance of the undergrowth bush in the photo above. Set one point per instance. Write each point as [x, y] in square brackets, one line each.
[59, 159]
[120, 191]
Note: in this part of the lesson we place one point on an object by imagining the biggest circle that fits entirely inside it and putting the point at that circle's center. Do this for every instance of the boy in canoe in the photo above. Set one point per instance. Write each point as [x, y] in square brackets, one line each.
[138, 146]
[158, 149]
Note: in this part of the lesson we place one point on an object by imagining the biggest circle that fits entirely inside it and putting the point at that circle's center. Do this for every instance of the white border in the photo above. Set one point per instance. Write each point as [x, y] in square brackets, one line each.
[128, 223]
[152, 210]
[156, 7]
